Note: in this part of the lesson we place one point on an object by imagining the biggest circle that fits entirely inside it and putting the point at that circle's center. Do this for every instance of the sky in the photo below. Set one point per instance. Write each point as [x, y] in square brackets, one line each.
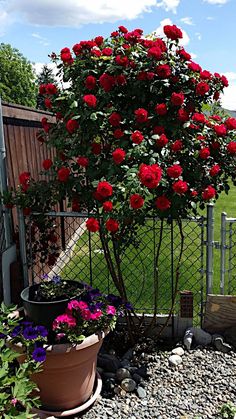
[39, 27]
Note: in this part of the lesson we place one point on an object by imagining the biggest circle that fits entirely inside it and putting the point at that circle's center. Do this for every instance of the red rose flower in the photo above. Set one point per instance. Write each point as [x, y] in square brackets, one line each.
[51, 89]
[215, 170]
[45, 124]
[194, 67]
[163, 203]
[90, 82]
[177, 99]
[194, 193]
[183, 115]
[231, 147]
[83, 161]
[180, 187]
[158, 129]
[202, 88]
[161, 109]
[90, 100]
[114, 119]
[155, 52]
[224, 81]
[63, 174]
[220, 130]
[99, 40]
[112, 225]
[66, 56]
[47, 164]
[104, 189]
[199, 117]
[96, 148]
[42, 89]
[118, 155]
[208, 193]
[183, 54]
[216, 96]
[204, 153]
[136, 201]
[123, 29]
[72, 125]
[92, 225]
[107, 206]
[162, 141]
[121, 80]
[24, 178]
[205, 75]
[118, 133]
[177, 146]
[75, 205]
[163, 71]
[107, 82]
[122, 60]
[172, 32]
[150, 176]
[107, 51]
[141, 115]
[230, 123]
[174, 171]
[137, 137]
[77, 49]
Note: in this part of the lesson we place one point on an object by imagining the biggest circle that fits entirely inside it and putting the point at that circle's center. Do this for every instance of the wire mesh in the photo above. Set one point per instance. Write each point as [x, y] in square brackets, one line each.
[81, 258]
[230, 258]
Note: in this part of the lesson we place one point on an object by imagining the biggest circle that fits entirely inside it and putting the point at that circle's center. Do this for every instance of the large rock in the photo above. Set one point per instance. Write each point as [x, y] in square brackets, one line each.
[175, 360]
[122, 373]
[128, 385]
[220, 344]
[178, 351]
[108, 362]
[201, 337]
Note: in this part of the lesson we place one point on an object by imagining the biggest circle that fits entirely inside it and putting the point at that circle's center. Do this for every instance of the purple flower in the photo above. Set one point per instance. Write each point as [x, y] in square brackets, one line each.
[15, 332]
[39, 355]
[30, 333]
[42, 331]
[128, 306]
[2, 336]
[56, 279]
[26, 323]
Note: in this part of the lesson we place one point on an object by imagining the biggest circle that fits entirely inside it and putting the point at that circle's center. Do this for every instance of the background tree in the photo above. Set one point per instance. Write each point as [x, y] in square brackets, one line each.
[46, 76]
[17, 77]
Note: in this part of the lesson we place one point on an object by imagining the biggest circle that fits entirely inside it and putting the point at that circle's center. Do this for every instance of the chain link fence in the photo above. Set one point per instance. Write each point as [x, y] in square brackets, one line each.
[228, 255]
[81, 258]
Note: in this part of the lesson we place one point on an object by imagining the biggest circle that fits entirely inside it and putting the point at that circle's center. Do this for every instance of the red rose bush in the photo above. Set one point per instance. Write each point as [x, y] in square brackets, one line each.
[131, 135]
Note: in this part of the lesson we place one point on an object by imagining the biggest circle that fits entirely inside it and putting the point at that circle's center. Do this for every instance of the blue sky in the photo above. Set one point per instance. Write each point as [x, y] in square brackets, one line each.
[38, 27]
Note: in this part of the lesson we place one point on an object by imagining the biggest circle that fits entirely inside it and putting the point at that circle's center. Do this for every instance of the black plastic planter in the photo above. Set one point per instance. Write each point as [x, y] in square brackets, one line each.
[43, 312]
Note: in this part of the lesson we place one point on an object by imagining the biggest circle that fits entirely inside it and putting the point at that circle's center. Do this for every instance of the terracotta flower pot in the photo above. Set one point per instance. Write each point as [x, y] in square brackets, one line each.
[68, 374]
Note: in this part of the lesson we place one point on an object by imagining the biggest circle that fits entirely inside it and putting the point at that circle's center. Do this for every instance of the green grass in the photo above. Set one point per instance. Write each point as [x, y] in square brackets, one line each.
[138, 262]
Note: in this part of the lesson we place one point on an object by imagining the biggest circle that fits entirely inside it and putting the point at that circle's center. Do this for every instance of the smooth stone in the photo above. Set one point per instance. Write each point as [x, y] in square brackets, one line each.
[108, 362]
[178, 351]
[136, 377]
[175, 360]
[122, 373]
[125, 363]
[128, 385]
[128, 355]
[141, 392]
[142, 371]
[220, 345]
[201, 337]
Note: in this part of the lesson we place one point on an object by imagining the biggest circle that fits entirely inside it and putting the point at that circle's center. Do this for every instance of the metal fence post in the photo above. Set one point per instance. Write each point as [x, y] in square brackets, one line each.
[23, 253]
[3, 183]
[209, 248]
[222, 252]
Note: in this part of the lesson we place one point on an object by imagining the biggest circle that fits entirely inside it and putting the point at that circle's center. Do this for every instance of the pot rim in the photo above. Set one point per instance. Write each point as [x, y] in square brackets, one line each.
[26, 299]
[59, 348]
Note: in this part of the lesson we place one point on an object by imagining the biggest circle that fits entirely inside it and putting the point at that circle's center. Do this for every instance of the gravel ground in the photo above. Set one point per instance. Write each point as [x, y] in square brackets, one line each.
[195, 389]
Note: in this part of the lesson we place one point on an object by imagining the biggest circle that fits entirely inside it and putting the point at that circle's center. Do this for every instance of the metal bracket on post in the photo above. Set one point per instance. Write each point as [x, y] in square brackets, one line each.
[222, 252]
[209, 248]
[23, 253]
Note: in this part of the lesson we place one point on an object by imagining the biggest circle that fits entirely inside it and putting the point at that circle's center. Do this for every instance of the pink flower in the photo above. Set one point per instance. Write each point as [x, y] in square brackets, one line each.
[67, 319]
[86, 314]
[77, 305]
[111, 310]
[96, 315]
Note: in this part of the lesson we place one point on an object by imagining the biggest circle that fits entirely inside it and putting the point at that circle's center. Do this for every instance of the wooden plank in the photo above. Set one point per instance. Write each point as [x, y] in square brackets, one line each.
[10, 110]
[220, 313]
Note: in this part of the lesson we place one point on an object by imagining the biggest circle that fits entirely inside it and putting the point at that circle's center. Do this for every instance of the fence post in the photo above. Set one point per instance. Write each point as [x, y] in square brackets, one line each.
[222, 252]
[209, 248]
[3, 183]
[22, 240]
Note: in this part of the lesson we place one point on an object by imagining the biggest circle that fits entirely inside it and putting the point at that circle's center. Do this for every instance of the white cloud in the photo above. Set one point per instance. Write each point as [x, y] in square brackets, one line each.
[75, 13]
[169, 5]
[187, 20]
[210, 18]
[216, 1]
[43, 41]
[4, 20]
[159, 31]
[228, 99]
[193, 55]
[198, 35]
